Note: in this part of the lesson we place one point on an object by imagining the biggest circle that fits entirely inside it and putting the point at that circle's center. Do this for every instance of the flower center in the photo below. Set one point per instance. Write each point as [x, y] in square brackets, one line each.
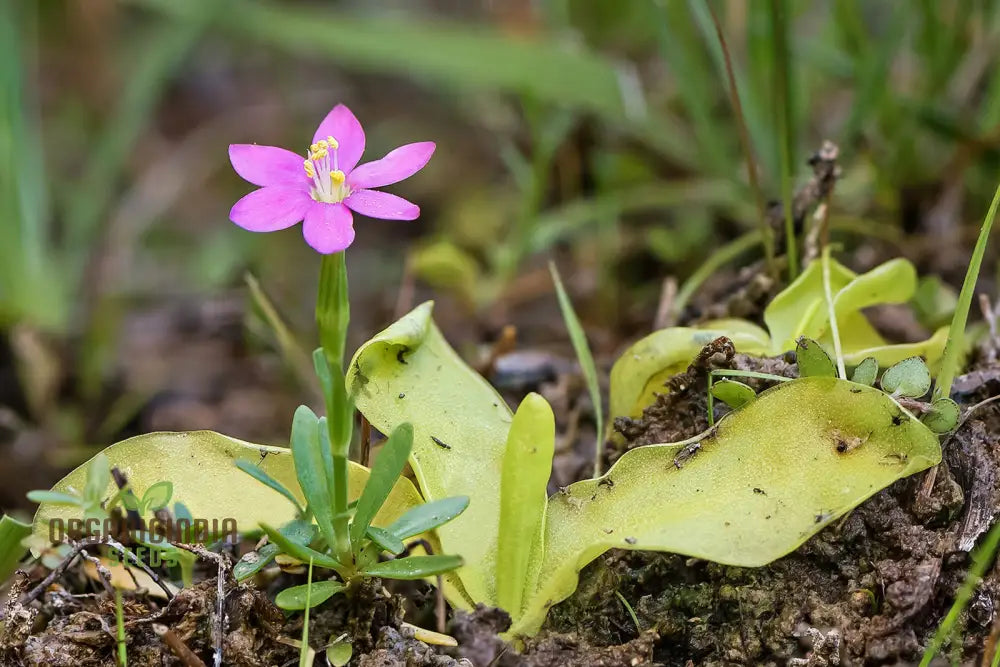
[321, 166]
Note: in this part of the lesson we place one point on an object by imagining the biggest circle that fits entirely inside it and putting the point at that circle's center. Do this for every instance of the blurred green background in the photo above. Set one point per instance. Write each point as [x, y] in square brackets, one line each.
[598, 133]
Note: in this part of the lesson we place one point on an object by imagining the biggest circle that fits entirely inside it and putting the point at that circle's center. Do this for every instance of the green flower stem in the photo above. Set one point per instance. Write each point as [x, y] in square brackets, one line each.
[333, 310]
[333, 314]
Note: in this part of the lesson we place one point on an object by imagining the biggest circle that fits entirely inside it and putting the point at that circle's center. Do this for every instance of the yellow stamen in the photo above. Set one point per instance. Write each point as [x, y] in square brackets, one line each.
[337, 177]
[310, 170]
[333, 143]
[322, 143]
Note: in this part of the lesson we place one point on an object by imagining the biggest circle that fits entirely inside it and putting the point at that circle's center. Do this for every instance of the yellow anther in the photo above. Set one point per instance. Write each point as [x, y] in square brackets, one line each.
[310, 169]
[337, 177]
[333, 143]
[314, 148]
[323, 144]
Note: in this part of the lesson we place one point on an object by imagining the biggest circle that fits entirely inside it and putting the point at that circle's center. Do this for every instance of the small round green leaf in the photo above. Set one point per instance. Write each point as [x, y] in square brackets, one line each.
[157, 496]
[942, 417]
[339, 652]
[910, 378]
[866, 372]
[813, 360]
[732, 393]
[294, 598]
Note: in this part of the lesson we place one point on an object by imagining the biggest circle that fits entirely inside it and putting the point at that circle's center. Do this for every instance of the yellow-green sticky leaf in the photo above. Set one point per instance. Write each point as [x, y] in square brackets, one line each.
[409, 373]
[201, 467]
[639, 374]
[767, 478]
[12, 532]
[527, 465]
[801, 307]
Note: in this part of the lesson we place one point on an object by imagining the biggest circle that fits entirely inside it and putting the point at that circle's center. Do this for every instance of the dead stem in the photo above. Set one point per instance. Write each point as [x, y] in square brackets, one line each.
[177, 646]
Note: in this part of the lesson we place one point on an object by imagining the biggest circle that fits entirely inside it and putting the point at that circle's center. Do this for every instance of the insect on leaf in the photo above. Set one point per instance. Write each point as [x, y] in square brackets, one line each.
[813, 360]
[866, 372]
[253, 562]
[910, 377]
[733, 393]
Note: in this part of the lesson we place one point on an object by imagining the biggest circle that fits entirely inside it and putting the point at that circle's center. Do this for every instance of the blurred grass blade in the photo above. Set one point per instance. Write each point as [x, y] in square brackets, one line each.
[29, 291]
[956, 334]
[12, 532]
[456, 55]
[586, 359]
[291, 351]
[785, 122]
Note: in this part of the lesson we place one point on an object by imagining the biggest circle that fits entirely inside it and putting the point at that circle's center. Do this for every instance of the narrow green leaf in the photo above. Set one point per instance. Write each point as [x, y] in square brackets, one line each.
[428, 516]
[307, 596]
[909, 377]
[302, 552]
[252, 469]
[414, 567]
[956, 334]
[253, 562]
[12, 532]
[943, 416]
[387, 469]
[527, 466]
[586, 359]
[310, 468]
[813, 360]
[55, 497]
[98, 477]
[733, 393]
[866, 372]
[386, 540]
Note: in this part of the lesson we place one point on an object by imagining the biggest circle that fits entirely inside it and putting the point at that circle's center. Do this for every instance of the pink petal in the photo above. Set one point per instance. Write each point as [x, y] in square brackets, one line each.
[345, 128]
[401, 163]
[383, 205]
[328, 228]
[270, 209]
[268, 165]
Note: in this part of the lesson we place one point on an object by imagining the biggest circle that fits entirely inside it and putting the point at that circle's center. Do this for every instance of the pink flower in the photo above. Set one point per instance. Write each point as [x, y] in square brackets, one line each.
[323, 189]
